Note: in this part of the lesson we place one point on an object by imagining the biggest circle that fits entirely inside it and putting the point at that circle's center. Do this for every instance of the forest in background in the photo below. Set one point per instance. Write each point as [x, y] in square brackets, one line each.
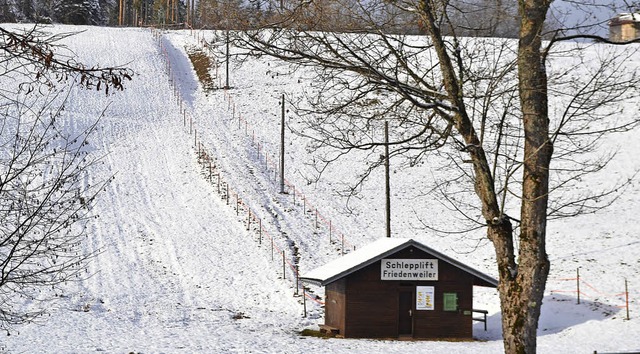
[479, 18]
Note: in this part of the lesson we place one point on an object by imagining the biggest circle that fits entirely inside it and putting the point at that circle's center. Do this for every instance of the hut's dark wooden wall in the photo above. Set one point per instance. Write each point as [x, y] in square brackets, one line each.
[361, 305]
[335, 301]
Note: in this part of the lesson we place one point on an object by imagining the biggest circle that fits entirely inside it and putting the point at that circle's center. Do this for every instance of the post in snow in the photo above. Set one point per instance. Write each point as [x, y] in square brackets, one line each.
[387, 178]
[282, 147]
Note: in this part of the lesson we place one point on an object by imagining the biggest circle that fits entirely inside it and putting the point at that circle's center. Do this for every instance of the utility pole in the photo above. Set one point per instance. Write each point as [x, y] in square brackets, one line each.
[227, 62]
[282, 147]
[387, 177]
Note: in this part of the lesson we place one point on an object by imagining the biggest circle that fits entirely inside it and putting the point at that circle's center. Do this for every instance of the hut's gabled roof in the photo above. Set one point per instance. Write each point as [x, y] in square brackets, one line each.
[378, 250]
[625, 18]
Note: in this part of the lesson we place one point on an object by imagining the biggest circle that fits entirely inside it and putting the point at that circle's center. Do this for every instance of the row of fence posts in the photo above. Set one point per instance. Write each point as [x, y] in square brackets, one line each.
[231, 106]
[210, 169]
[580, 293]
[296, 194]
[226, 195]
[252, 219]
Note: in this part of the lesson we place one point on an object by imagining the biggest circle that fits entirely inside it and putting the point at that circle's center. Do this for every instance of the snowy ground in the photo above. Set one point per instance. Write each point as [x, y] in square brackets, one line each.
[179, 271]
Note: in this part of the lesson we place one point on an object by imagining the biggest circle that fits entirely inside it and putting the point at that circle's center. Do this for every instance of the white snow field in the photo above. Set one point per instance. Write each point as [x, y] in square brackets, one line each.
[182, 268]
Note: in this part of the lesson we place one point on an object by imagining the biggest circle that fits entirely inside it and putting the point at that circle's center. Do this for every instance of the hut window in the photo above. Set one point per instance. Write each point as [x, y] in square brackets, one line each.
[450, 301]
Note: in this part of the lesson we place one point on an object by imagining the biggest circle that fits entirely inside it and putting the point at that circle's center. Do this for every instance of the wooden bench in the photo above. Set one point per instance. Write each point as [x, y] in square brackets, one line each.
[481, 319]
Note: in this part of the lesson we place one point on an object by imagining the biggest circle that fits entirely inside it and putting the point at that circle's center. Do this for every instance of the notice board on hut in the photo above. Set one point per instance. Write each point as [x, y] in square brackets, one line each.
[395, 288]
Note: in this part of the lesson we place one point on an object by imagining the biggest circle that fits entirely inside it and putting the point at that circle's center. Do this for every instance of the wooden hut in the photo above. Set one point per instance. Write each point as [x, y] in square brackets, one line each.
[398, 288]
[624, 27]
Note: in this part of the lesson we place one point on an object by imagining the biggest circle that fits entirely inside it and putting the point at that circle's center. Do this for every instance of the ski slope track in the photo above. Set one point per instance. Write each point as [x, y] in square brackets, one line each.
[177, 269]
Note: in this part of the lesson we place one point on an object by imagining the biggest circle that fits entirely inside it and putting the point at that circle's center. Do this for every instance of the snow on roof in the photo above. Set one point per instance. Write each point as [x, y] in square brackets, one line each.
[625, 18]
[375, 251]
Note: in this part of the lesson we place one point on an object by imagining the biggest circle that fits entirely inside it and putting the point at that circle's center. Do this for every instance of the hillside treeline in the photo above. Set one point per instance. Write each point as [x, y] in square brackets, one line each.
[471, 18]
[80, 12]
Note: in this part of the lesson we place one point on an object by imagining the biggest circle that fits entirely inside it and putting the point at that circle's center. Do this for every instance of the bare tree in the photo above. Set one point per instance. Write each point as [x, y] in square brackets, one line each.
[223, 14]
[41, 61]
[483, 18]
[45, 196]
[481, 108]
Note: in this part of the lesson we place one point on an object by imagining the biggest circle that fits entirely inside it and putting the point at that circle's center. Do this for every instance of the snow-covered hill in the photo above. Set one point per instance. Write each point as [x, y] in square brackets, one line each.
[183, 268]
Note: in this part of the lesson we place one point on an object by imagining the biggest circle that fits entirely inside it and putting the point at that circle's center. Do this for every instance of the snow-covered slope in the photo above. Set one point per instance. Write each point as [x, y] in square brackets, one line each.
[179, 270]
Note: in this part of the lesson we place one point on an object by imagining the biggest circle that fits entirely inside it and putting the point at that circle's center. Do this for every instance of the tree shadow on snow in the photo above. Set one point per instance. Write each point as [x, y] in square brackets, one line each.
[559, 312]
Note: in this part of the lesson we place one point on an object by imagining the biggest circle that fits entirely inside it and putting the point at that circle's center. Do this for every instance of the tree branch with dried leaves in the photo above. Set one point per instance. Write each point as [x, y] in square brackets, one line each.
[45, 199]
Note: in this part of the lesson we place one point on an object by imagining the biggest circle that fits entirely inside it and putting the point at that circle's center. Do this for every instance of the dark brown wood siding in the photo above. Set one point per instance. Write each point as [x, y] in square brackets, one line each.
[438, 323]
[371, 305]
[335, 305]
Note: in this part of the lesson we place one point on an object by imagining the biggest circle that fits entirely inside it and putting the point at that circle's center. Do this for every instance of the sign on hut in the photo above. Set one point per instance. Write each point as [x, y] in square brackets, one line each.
[397, 288]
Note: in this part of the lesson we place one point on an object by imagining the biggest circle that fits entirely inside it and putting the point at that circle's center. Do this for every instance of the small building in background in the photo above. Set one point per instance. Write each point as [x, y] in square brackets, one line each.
[399, 288]
[624, 27]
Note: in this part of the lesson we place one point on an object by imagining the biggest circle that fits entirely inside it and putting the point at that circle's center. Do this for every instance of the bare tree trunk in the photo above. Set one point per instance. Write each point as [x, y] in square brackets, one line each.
[173, 11]
[521, 297]
[121, 13]
[193, 13]
[168, 11]
[522, 271]
[521, 285]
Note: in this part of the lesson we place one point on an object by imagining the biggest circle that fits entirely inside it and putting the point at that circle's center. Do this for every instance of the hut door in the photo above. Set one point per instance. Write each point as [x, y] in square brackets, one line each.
[405, 313]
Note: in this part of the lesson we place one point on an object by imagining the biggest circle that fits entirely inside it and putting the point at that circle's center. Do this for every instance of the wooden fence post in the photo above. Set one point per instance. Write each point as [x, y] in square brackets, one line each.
[304, 300]
[297, 279]
[626, 296]
[578, 283]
